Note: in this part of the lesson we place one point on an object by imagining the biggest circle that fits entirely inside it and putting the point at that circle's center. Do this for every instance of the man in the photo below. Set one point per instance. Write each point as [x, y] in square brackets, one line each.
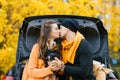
[76, 53]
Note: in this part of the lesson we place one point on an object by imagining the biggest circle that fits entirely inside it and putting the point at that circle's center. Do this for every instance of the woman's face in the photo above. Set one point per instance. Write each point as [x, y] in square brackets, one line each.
[55, 32]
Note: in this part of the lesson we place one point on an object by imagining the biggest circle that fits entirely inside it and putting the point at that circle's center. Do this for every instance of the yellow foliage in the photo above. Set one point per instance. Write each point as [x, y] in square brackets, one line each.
[12, 13]
[116, 48]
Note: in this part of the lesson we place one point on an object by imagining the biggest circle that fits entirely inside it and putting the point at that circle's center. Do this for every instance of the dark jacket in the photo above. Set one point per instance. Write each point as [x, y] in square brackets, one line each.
[82, 69]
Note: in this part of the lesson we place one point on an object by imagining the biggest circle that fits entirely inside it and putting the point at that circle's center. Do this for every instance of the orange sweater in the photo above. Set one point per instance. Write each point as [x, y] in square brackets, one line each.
[35, 68]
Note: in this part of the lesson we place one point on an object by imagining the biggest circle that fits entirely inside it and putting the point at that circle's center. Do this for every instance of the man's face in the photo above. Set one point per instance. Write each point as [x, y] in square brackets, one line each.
[63, 31]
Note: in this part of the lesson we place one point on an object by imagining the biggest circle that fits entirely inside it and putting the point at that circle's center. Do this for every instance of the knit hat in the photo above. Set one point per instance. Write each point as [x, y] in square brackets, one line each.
[71, 24]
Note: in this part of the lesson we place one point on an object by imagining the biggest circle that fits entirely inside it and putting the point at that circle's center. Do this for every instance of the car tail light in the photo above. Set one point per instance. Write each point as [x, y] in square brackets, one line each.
[7, 78]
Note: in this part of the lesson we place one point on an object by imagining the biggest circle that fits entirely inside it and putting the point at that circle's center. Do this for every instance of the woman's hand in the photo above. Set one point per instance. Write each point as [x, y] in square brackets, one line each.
[54, 65]
[61, 63]
[61, 70]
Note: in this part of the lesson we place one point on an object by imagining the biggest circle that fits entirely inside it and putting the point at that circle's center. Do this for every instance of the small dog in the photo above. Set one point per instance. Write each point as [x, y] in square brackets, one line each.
[49, 56]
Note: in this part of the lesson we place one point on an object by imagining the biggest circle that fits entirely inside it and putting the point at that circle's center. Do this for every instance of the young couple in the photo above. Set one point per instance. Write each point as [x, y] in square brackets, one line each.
[75, 61]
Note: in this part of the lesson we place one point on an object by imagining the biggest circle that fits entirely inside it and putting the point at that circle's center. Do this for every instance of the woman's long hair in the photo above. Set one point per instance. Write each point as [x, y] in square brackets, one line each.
[44, 36]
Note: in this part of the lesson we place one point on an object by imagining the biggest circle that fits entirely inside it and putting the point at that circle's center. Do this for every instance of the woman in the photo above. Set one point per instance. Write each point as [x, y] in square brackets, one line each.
[37, 67]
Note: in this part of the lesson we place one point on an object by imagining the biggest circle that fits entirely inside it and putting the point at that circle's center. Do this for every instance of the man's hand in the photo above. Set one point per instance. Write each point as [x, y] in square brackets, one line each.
[61, 63]
[54, 65]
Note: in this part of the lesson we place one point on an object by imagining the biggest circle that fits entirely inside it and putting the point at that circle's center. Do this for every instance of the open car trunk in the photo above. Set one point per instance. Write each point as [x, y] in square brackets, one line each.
[92, 29]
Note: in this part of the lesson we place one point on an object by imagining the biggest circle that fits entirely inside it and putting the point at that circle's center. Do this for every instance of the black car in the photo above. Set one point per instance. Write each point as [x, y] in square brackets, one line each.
[92, 29]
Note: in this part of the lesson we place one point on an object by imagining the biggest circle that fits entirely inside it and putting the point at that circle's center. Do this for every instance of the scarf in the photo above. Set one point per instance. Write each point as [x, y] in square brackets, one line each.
[69, 48]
